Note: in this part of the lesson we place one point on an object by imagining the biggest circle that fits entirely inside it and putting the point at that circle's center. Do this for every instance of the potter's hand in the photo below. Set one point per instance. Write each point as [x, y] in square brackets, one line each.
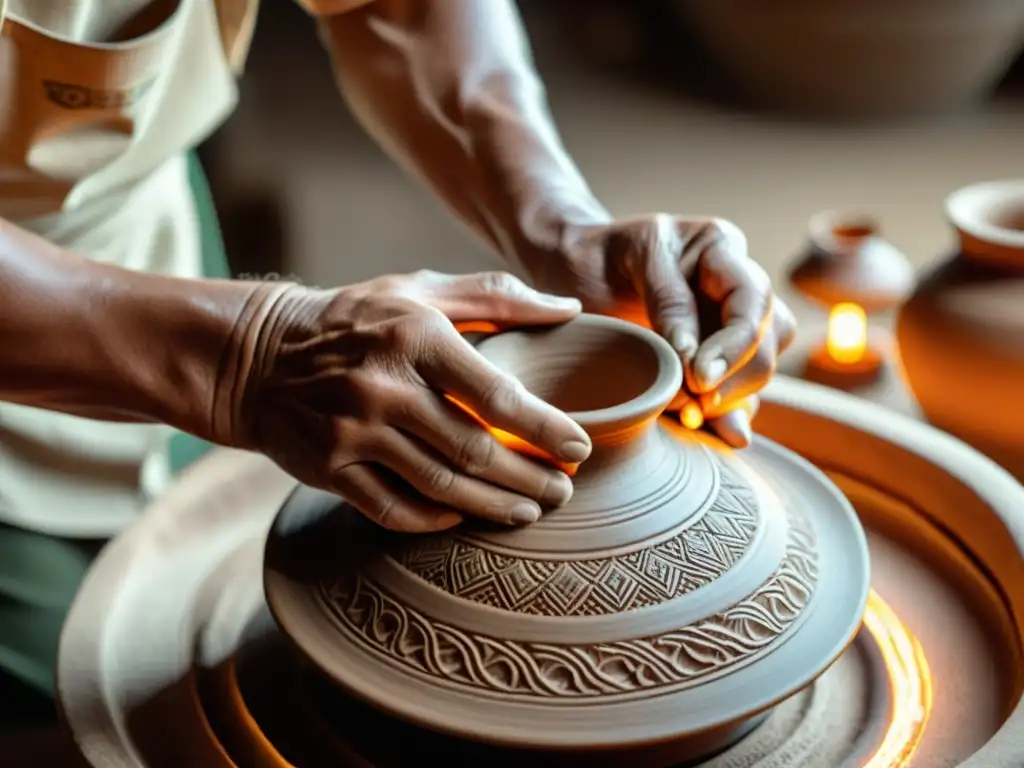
[693, 282]
[346, 392]
[498, 162]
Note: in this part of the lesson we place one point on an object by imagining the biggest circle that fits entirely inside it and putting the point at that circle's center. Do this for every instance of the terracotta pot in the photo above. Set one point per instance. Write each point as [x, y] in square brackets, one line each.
[860, 58]
[961, 334]
[678, 595]
[848, 259]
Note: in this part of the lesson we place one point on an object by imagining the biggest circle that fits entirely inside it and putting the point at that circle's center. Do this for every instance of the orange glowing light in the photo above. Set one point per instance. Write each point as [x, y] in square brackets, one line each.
[692, 416]
[910, 684]
[847, 339]
[517, 444]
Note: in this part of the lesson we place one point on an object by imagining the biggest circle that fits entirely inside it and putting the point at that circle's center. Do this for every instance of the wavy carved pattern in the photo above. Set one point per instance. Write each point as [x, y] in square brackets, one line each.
[676, 659]
[696, 557]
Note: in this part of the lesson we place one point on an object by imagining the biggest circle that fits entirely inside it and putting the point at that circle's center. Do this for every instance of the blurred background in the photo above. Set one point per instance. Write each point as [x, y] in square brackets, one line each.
[683, 106]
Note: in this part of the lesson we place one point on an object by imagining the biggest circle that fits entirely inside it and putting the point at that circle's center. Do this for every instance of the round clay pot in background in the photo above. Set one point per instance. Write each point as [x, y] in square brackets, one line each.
[848, 259]
[860, 58]
[961, 334]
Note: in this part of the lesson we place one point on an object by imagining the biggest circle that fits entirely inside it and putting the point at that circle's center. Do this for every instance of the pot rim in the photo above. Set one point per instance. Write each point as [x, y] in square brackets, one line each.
[822, 230]
[663, 388]
[965, 209]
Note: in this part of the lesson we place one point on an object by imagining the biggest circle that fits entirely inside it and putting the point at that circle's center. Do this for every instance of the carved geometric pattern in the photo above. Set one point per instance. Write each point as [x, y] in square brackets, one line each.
[676, 659]
[694, 558]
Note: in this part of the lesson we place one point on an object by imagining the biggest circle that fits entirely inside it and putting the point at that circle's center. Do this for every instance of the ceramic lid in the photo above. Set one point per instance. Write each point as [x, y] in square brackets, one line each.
[684, 586]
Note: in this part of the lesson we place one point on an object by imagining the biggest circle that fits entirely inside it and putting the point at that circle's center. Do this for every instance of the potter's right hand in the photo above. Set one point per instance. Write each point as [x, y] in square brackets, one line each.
[345, 390]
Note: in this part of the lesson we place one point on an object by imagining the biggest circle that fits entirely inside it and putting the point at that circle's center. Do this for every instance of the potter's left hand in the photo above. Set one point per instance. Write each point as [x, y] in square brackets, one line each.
[692, 281]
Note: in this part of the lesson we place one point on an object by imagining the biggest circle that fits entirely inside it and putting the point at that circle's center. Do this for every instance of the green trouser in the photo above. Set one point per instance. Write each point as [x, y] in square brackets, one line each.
[40, 574]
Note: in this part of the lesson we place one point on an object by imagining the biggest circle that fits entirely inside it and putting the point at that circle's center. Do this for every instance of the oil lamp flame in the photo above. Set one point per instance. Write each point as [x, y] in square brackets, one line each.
[910, 682]
[847, 339]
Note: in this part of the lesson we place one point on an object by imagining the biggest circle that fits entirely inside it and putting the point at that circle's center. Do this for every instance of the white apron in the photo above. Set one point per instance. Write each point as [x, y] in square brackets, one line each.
[94, 144]
[93, 138]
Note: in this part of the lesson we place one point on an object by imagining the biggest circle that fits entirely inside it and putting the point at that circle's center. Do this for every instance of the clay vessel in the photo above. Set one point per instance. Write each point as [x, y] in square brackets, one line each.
[683, 591]
[850, 269]
[961, 334]
[860, 58]
[849, 260]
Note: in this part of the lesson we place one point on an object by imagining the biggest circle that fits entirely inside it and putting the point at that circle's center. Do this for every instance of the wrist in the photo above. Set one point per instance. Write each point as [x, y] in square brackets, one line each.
[552, 233]
[247, 360]
[166, 341]
[99, 341]
[534, 195]
[189, 328]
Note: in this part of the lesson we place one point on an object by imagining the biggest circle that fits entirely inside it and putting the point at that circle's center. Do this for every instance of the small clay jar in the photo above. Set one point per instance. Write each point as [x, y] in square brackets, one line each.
[848, 259]
[849, 269]
[961, 334]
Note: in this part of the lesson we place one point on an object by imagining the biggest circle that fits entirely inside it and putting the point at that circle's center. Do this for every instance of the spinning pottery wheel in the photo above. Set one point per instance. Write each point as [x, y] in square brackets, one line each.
[699, 610]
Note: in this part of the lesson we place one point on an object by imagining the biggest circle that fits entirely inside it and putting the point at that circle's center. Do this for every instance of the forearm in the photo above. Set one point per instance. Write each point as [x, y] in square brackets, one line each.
[448, 88]
[101, 342]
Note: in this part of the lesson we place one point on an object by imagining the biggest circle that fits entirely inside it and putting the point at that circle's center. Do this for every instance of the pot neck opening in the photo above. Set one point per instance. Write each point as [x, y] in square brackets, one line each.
[612, 377]
[839, 234]
[989, 220]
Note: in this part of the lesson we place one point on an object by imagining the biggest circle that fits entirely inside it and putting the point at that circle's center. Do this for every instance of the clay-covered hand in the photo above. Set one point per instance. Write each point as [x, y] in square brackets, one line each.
[348, 390]
[691, 280]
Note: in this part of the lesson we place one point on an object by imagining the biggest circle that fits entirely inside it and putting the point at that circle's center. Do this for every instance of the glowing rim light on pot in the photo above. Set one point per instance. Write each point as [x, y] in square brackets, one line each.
[910, 683]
